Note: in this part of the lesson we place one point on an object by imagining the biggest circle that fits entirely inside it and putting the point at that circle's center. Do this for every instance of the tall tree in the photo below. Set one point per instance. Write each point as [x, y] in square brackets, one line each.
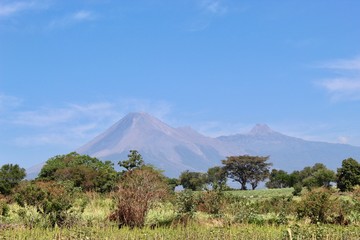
[247, 169]
[278, 179]
[134, 160]
[317, 176]
[216, 177]
[192, 180]
[348, 175]
[10, 176]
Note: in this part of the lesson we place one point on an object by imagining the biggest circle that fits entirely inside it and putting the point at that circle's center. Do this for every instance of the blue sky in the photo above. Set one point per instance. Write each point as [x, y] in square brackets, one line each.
[70, 69]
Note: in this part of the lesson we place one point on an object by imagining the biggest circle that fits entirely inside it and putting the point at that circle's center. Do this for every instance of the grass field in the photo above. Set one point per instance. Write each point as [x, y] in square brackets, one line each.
[263, 193]
[93, 222]
[194, 231]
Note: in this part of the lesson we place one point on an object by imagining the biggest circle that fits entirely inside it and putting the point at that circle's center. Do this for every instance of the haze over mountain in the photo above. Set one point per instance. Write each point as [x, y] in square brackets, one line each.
[177, 149]
[289, 153]
[171, 149]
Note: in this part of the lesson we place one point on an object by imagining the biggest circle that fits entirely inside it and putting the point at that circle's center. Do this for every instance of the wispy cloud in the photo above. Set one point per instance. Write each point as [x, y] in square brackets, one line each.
[9, 8]
[76, 17]
[343, 64]
[217, 7]
[45, 117]
[8, 102]
[347, 86]
[74, 124]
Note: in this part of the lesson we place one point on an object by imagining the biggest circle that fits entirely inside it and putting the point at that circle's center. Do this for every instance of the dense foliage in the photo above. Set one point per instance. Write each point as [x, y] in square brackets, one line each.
[88, 173]
[348, 176]
[192, 180]
[247, 169]
[10, 176]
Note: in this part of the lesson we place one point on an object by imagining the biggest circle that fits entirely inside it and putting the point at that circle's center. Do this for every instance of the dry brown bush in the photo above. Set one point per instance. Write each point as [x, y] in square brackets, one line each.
[137, 190]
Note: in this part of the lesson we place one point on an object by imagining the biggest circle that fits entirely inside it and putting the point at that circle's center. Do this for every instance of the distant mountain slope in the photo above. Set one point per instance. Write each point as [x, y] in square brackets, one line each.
[171, 149]
[177, 149]
[290, 153]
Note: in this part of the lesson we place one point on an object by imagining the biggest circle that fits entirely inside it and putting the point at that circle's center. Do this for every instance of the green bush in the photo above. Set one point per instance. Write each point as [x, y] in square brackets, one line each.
[4, 208]
[318, 205]
[51, 199]
[186, 202]
[210, 202]
[297, 189]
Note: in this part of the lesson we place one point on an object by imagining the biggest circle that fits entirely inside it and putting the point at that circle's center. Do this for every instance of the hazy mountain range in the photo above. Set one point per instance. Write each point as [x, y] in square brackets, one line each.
[177, 149]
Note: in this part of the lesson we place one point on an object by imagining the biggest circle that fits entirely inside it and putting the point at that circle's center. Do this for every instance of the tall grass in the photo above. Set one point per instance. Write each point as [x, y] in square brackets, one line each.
[193, 231]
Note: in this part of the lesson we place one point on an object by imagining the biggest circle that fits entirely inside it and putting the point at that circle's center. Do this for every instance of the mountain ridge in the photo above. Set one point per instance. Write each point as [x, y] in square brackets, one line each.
[183, 148]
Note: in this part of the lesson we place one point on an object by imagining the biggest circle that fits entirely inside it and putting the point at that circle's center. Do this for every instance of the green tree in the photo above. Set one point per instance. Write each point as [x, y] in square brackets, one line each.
[247, 169]
[278, 179]
[10, 176]
[84, 171]
[192, 180]
[348, 176]
[216, 177]
[134, 160]
[318, 176]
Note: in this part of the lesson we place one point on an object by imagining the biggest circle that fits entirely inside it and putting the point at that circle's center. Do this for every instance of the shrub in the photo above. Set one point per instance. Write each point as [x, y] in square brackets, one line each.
[297, 189]
[4, 208]
[317, 205]
[186, 202]
[210, 202]
[51, 199]
[137, 190]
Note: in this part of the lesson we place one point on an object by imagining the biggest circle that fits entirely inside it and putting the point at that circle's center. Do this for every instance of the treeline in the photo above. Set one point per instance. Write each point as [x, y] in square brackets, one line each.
[64, 179]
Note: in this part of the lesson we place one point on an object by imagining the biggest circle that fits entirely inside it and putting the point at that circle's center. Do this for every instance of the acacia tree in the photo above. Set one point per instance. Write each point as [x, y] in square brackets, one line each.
[247, 169]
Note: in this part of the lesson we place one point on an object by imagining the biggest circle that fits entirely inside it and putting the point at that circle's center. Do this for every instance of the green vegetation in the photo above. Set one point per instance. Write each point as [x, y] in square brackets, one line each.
[247, 169]
[348, 176]
[140, 202]
[10, 176]
[90, 174]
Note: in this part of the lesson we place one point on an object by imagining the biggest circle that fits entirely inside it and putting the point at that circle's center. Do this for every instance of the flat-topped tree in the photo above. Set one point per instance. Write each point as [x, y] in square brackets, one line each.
[247, 169]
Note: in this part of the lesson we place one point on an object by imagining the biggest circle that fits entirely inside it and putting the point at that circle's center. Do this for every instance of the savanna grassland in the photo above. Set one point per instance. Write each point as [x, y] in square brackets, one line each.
[258, 214]
[80, 197]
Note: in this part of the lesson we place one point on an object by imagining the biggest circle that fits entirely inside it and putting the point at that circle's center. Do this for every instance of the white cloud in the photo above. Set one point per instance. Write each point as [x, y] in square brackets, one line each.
[217, 7]
[51, 116]
[344, 64]
[76, 17]
[10, 8]
[82, 15]
[14, 7]
[347, 86]
[343, 139]
[75, 124]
